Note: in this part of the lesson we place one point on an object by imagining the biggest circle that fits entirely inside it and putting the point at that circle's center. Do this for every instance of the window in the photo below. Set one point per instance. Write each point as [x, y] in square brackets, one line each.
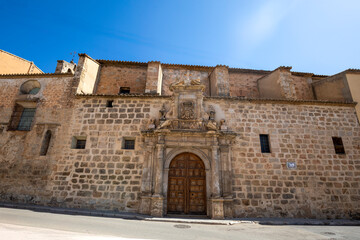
[79, 142]
[124, 90]
[22, 117]
[109, 103]
[129, 144]
[265, 145]
[338, 145]
[26, 119]
[46, 143]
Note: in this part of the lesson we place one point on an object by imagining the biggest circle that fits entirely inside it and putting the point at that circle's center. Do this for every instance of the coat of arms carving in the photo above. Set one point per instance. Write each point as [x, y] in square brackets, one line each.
[187, 110]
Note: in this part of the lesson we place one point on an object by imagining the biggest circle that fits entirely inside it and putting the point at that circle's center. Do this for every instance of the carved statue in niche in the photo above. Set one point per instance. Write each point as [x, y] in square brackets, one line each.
[187, 110]
[163, 113]
[211, 124]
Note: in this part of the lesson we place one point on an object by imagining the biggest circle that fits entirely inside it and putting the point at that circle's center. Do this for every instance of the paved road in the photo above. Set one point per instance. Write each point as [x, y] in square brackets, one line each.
[27, 224]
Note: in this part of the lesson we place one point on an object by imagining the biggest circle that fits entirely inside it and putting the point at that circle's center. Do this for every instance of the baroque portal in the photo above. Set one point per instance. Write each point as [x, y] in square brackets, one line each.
[187, 166]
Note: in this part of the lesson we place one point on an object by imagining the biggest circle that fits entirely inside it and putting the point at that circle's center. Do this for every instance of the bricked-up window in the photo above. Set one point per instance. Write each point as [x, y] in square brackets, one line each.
[79, 142]
[46, 143]
[109, 103]
[265, 144]
[129, 144]
[338, 145]
[124, 90]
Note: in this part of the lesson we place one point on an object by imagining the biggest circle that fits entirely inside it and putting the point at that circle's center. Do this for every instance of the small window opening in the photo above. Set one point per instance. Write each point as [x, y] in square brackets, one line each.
[338, 145]
[265, 144]
[124, 90]
[129, 144]
[46, 143]
[109, 103]
[79, 142]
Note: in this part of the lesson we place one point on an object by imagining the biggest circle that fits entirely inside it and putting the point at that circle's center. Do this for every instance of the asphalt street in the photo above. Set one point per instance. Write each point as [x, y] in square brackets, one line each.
[28, 224]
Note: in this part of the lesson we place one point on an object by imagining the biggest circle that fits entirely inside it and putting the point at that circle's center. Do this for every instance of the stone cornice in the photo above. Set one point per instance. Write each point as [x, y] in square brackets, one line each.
[242, 99]
[285, 101]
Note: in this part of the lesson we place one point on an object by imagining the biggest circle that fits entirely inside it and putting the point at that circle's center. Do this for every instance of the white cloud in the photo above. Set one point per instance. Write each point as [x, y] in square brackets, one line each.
[262, 23]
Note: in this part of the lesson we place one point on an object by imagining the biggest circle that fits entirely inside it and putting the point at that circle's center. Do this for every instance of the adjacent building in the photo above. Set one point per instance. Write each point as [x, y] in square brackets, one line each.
[159, 138]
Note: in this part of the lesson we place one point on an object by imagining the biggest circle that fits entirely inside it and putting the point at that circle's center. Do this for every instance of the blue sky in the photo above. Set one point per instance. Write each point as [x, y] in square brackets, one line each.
[319, 36]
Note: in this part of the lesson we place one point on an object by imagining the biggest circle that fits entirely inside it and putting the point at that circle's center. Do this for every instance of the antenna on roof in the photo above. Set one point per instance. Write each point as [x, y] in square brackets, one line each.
[73, 56]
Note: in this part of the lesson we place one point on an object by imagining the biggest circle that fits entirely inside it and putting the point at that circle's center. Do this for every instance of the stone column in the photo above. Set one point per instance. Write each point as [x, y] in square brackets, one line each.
[159, 169]
[217, 203]
[215, 188]
[226, 181]
[146, 183]
[157, 200]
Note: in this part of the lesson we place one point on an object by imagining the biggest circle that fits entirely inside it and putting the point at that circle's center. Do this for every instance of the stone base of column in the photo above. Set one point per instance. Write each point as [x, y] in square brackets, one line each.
[145, 205]
[157, 206]
[217, 208]
[228, 208]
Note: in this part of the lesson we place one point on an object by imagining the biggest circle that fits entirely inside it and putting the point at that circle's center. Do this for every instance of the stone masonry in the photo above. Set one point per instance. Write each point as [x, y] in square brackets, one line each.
[214, 113]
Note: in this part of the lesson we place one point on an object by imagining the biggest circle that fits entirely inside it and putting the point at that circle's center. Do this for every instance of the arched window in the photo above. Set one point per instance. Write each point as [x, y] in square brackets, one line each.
[46, 143]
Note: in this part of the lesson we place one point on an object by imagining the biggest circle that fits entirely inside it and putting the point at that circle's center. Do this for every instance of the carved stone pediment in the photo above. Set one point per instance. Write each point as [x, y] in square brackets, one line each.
[186, 111]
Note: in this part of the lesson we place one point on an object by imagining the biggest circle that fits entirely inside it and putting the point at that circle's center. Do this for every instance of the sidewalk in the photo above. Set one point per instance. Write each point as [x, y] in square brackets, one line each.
[136, 216]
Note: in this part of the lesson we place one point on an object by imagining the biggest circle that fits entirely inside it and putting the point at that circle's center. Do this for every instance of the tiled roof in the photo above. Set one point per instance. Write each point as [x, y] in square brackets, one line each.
[23, 75]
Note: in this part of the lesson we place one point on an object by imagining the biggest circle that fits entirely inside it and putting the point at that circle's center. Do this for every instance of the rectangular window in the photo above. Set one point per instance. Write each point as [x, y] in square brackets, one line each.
[26, 119]
[109, 103]
[124, 90]
[78, 142]
[129, 144]
[338, 145]
[265, 145]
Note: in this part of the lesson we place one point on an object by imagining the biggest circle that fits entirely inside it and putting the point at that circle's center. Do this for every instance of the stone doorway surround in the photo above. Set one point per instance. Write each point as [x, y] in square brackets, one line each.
[187, 129]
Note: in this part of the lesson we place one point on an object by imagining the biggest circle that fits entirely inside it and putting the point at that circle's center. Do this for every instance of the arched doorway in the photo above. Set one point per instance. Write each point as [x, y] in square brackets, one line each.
[186, 185]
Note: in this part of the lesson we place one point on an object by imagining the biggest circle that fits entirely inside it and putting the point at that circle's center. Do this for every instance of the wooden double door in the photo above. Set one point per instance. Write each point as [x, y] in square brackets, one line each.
[187, 185]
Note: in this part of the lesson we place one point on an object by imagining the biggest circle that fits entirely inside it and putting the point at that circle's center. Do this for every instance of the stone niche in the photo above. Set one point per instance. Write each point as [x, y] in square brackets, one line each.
[186, 128]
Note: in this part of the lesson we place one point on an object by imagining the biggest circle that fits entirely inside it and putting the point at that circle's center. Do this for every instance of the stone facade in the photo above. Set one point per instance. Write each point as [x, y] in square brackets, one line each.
[214, 113]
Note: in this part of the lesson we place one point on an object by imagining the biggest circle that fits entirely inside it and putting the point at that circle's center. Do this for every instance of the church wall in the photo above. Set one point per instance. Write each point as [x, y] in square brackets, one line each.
[113, 77]
[303, 88]
[104, 175]
[244, 84]
[323, 184]
[24, 174]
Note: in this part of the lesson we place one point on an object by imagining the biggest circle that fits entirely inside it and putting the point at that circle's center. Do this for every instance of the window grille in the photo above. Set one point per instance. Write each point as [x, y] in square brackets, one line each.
[129, 144]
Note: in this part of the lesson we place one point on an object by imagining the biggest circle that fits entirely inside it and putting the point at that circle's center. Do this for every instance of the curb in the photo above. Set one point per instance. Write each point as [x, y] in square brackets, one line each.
[136, 216]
